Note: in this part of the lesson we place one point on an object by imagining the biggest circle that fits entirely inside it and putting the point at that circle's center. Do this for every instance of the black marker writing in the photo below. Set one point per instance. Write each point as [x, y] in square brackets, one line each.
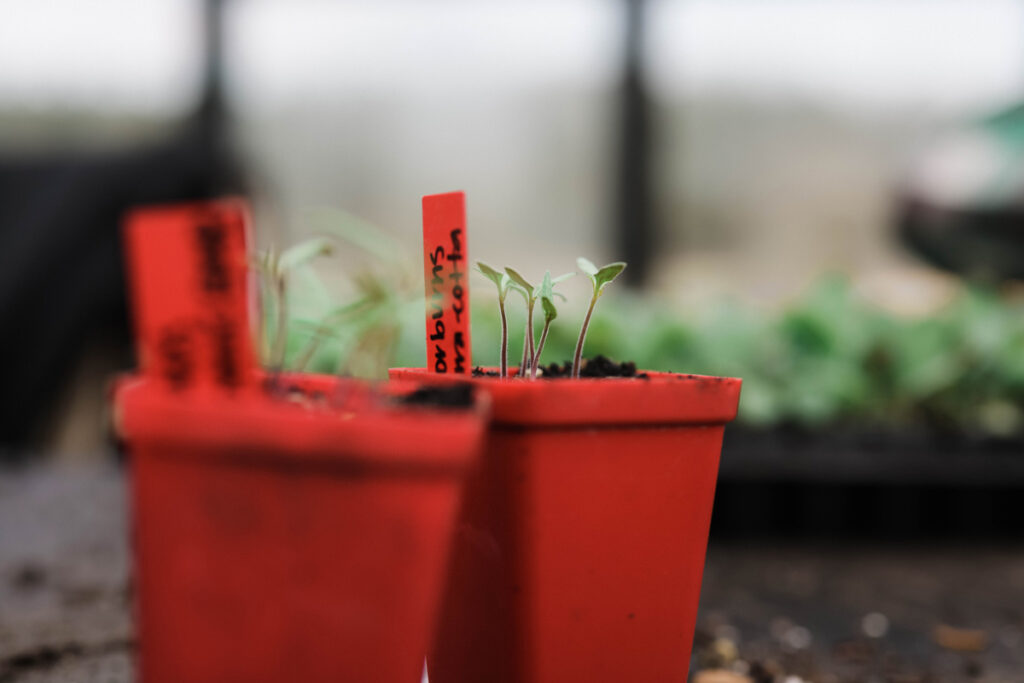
[212, 254]
[225, 357]
[175, 357]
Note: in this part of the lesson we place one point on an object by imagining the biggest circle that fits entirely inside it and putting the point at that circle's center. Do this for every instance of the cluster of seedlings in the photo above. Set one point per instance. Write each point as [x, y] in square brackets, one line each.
[302, 328]
[510, 280]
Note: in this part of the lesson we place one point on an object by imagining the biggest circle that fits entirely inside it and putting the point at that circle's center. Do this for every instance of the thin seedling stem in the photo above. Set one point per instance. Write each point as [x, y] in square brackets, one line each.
[540, 347]
[583, 336]
[279, 347]
[504, 339]
[525, 362]
[529, 336]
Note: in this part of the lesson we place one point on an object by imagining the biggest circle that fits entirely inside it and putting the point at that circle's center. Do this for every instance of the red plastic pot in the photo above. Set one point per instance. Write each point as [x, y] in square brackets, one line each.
[285, 541]
[583, 531]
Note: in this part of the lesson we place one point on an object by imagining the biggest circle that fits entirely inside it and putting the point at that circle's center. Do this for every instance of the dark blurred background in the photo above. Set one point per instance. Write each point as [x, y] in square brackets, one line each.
[825, 198]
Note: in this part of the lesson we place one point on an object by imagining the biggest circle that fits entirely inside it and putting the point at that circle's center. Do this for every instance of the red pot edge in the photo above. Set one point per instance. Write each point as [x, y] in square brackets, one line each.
[260, 428]
[662, 399]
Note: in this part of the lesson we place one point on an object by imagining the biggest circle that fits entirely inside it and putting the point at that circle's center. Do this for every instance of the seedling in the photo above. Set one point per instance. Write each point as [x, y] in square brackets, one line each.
[276, 268]
[547, 296]
[599, 278]
[529, 294]
[300, 320]
[512, 280]
[503, 282]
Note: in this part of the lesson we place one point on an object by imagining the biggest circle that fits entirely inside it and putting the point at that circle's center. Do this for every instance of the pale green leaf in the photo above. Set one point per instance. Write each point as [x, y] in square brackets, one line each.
[490, 273]
[562, 278]
[304, 252]
[586, 266]
[608, 273]
[519, 279]
[550, 312]
[514, 287]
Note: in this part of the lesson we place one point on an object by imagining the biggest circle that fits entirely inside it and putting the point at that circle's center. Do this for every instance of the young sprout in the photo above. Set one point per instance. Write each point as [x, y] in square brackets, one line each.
[547, 296]
[529, 294]
[503, 283]
[599, 278]
[276, 268]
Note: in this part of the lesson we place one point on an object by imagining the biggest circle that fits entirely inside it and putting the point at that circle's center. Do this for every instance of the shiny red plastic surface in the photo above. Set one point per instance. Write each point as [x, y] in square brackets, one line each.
[582, 536]
[446, 282]
[187, 266]
[280, 541]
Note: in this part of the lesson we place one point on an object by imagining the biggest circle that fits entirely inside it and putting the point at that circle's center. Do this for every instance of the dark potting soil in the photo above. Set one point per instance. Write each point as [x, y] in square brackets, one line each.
[454, 396]
[597, 367]
[594, 368]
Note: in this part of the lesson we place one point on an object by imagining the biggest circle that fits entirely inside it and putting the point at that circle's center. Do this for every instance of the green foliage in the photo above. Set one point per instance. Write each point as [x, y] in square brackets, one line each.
[527, 288]
[827, 359]
[546, 292]
[547, 298]
[304, 328]
[303, 253]
[600, 277]
[504, 283]
[500, 280]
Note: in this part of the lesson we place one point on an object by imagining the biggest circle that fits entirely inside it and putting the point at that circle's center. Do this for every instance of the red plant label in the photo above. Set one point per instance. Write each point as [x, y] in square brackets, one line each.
[189, 277]
[446, 274]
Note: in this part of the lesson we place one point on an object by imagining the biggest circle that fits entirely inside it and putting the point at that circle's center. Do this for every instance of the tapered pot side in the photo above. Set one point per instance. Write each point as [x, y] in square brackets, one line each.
[276, 541]
[581, 539]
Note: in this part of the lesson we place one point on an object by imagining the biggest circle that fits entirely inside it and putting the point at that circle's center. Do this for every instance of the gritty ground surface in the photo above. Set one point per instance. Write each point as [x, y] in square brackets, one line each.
[768, 613]
[64, 581]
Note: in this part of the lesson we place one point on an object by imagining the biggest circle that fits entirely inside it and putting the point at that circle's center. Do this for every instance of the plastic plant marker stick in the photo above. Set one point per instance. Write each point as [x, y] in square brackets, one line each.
[446, 279]
[191, 296]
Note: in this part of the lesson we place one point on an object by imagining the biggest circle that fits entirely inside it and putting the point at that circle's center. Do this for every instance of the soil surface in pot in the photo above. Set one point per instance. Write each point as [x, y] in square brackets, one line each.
[455, 396]
[593, 368]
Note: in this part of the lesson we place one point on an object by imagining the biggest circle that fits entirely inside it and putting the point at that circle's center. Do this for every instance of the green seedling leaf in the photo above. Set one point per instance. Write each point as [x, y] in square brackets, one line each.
[600, 278]
[550, 312]
[303, 253]
[520, 280]
[608, 273]
[547, 286]
[546, 292]
[563, 277]
[513, 287]
[500, 280]
[490, 273]
[529, 294]
[503, 282]
[555, 281]
[586, 266]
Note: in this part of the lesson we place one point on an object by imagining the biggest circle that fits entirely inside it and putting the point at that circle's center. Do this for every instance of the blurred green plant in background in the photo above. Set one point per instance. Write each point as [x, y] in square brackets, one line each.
[304, 329]
[829, 359]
